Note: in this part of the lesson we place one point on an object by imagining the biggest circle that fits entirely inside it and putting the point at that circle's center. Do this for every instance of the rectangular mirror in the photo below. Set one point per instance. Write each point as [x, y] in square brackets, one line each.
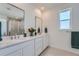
[12, 20]
[38, 24]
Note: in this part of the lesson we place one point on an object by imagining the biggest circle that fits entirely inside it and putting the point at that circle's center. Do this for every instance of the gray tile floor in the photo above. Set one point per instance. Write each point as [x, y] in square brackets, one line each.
[57, 52]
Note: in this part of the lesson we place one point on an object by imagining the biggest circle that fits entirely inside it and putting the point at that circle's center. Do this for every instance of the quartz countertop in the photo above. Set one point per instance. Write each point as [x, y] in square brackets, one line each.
[8, 42]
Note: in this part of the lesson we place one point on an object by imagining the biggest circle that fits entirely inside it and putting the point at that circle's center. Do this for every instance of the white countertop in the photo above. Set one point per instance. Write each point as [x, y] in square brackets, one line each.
[7, 43]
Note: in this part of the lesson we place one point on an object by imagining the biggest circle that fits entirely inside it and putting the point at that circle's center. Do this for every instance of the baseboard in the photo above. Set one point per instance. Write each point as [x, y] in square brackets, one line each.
[43, 51]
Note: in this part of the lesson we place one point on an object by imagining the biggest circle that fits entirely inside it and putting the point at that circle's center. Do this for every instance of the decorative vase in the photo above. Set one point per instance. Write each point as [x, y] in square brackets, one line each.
[31, 34]
[46, 30]
[35, 33]
[25, 34]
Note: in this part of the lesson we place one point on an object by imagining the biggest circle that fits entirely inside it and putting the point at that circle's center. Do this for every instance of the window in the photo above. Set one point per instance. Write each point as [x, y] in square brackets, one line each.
[64, 17]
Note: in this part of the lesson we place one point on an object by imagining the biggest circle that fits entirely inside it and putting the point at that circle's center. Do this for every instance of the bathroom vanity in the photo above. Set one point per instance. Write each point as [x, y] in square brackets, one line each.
[24, 46]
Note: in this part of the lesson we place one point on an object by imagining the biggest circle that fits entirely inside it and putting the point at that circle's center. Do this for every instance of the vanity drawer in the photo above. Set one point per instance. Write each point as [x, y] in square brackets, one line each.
[10, 49]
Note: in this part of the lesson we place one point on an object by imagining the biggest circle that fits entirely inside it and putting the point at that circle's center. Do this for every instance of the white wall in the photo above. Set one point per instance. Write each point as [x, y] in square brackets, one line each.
[58, 38]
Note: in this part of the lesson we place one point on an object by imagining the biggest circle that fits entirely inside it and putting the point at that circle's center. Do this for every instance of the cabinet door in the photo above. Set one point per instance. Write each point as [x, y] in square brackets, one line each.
[16, 53]
[28, 50]
[45, 42]
[38, 46]
[11, 50]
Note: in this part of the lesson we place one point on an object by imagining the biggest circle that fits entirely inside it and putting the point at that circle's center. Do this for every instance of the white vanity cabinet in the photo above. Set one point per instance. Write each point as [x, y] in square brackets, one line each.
[38, 45]
[41, 43]
[12, 50]
[45, 42]
[22, 49]
[28, 49]
[15, 53]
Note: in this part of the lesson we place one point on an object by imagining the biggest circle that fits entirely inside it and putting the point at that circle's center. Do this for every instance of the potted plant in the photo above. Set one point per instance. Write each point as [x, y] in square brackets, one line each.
[31, 30]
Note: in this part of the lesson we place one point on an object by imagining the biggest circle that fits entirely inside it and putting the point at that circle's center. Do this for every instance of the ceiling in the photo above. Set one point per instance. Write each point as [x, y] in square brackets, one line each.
[47, 4]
